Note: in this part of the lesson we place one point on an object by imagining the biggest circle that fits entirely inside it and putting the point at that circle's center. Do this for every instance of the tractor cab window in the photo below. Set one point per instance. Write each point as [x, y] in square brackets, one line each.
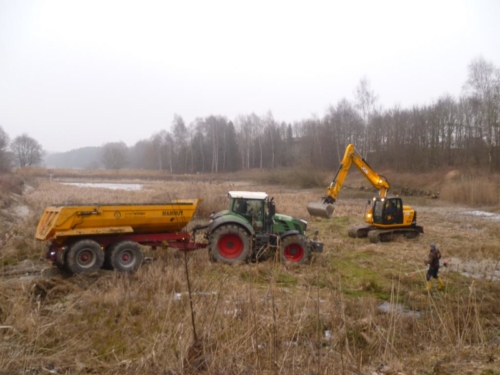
[240, 206]
[251, 209]
[256, 213]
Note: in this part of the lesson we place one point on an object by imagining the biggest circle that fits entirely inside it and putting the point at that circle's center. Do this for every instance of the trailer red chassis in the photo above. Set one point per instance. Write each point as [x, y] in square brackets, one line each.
[55, 252]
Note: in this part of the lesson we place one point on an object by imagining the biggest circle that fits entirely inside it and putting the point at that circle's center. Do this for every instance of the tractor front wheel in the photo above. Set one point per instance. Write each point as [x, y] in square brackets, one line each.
[295, 249]
[229, 244]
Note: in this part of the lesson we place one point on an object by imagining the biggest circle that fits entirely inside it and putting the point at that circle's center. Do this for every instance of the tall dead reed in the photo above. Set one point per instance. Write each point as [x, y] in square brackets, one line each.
[472, 191]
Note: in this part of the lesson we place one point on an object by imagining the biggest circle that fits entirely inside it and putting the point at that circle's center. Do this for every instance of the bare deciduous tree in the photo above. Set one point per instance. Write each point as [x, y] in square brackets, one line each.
[483, 84]
[4, 155]
[27, 151]
[365, 102]
[181, 139]
[114, 155]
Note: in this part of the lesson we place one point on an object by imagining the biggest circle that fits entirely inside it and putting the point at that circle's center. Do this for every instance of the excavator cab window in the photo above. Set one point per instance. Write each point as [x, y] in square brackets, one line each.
[388, 211]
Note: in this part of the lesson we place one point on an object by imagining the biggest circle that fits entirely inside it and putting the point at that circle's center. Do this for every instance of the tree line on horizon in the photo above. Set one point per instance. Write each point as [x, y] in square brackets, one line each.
[450, 132]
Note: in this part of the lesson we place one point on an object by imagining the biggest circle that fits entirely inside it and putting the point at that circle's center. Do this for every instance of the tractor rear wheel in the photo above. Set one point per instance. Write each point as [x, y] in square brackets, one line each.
[295, 249]
[84, 256]
[125, 256]
[229, 244]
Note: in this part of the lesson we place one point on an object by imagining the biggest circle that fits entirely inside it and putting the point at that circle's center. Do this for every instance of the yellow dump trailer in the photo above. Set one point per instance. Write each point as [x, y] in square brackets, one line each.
[84, 238]
[64, 221]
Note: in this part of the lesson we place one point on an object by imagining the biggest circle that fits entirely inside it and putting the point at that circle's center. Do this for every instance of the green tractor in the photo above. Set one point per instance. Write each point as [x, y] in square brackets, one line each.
[251, 226]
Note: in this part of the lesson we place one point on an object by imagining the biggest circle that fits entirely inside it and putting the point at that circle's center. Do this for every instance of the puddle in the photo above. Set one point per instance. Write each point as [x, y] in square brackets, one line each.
[483, 214]
[486, 269]
[397, 308]
[129, 187]
[178, 296]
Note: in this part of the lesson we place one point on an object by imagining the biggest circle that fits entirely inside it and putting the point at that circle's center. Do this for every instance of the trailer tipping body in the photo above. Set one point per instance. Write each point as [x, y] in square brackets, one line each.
[59, 222]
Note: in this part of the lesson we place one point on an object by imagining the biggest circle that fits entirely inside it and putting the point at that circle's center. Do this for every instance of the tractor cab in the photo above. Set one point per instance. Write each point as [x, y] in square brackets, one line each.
[254, 207]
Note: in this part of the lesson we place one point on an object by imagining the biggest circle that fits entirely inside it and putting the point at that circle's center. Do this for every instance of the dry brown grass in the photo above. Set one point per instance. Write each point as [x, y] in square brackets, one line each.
[10, 184]
[264, 318]
[472, 191]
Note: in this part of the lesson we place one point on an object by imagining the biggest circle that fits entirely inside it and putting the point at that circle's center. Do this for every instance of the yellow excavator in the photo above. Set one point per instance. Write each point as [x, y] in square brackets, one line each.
[386, 216]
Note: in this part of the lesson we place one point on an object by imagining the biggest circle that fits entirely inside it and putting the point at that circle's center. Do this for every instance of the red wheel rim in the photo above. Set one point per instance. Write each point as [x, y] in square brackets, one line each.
[294, 252]
[230, 246]
[127, 258]
[86, 258]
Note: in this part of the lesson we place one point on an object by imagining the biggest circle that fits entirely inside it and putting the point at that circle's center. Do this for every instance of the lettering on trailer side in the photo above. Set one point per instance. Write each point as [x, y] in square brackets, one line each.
[135, 213]
[172, 213]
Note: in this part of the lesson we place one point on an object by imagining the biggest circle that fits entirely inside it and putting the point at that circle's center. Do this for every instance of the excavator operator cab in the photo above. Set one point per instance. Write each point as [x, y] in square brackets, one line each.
[388, 210]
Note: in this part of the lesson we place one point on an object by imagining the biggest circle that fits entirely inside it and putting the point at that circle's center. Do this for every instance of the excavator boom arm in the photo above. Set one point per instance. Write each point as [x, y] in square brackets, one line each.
[351, 156]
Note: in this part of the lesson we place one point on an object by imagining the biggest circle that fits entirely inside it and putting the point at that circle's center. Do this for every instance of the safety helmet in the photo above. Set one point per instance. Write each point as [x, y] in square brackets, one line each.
[432, 245]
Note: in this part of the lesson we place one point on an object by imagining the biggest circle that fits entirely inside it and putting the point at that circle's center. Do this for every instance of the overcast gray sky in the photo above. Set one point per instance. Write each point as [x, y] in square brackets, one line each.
[83, 73]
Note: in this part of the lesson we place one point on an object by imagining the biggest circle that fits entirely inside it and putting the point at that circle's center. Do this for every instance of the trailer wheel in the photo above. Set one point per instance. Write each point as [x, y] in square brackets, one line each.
[61, 264]
[125, 256]
[229, 244]
[295, 249]
[84, 256]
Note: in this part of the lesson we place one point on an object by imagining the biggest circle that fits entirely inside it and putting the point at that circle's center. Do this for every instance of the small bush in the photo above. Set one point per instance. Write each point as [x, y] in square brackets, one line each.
[10, 183]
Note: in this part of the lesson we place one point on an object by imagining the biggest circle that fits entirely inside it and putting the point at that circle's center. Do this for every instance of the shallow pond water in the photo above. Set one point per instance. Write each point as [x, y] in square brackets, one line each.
[106, 185]
[483, 214]
[488, 269]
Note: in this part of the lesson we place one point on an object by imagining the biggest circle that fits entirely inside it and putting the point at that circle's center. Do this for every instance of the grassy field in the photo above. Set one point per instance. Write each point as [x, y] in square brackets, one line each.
[357, 308]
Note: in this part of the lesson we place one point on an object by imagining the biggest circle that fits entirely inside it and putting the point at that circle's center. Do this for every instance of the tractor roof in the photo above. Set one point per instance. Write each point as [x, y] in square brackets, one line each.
[248, 194]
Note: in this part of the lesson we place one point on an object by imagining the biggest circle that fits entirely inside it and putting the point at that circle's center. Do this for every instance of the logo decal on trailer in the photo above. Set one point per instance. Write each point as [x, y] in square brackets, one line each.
[172, 213]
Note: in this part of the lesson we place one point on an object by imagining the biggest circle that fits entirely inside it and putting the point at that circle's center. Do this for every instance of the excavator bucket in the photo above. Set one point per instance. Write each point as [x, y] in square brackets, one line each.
[321, 209]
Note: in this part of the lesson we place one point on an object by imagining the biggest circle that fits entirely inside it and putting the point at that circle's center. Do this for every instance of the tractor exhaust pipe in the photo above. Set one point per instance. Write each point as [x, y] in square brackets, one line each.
[321, 209]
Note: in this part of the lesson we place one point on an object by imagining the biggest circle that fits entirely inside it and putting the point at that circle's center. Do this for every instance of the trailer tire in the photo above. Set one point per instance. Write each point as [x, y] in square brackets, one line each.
[107, 256]
[295, 249]
[125, 256]
[61, 266]
[84, 256]
[229, 244]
